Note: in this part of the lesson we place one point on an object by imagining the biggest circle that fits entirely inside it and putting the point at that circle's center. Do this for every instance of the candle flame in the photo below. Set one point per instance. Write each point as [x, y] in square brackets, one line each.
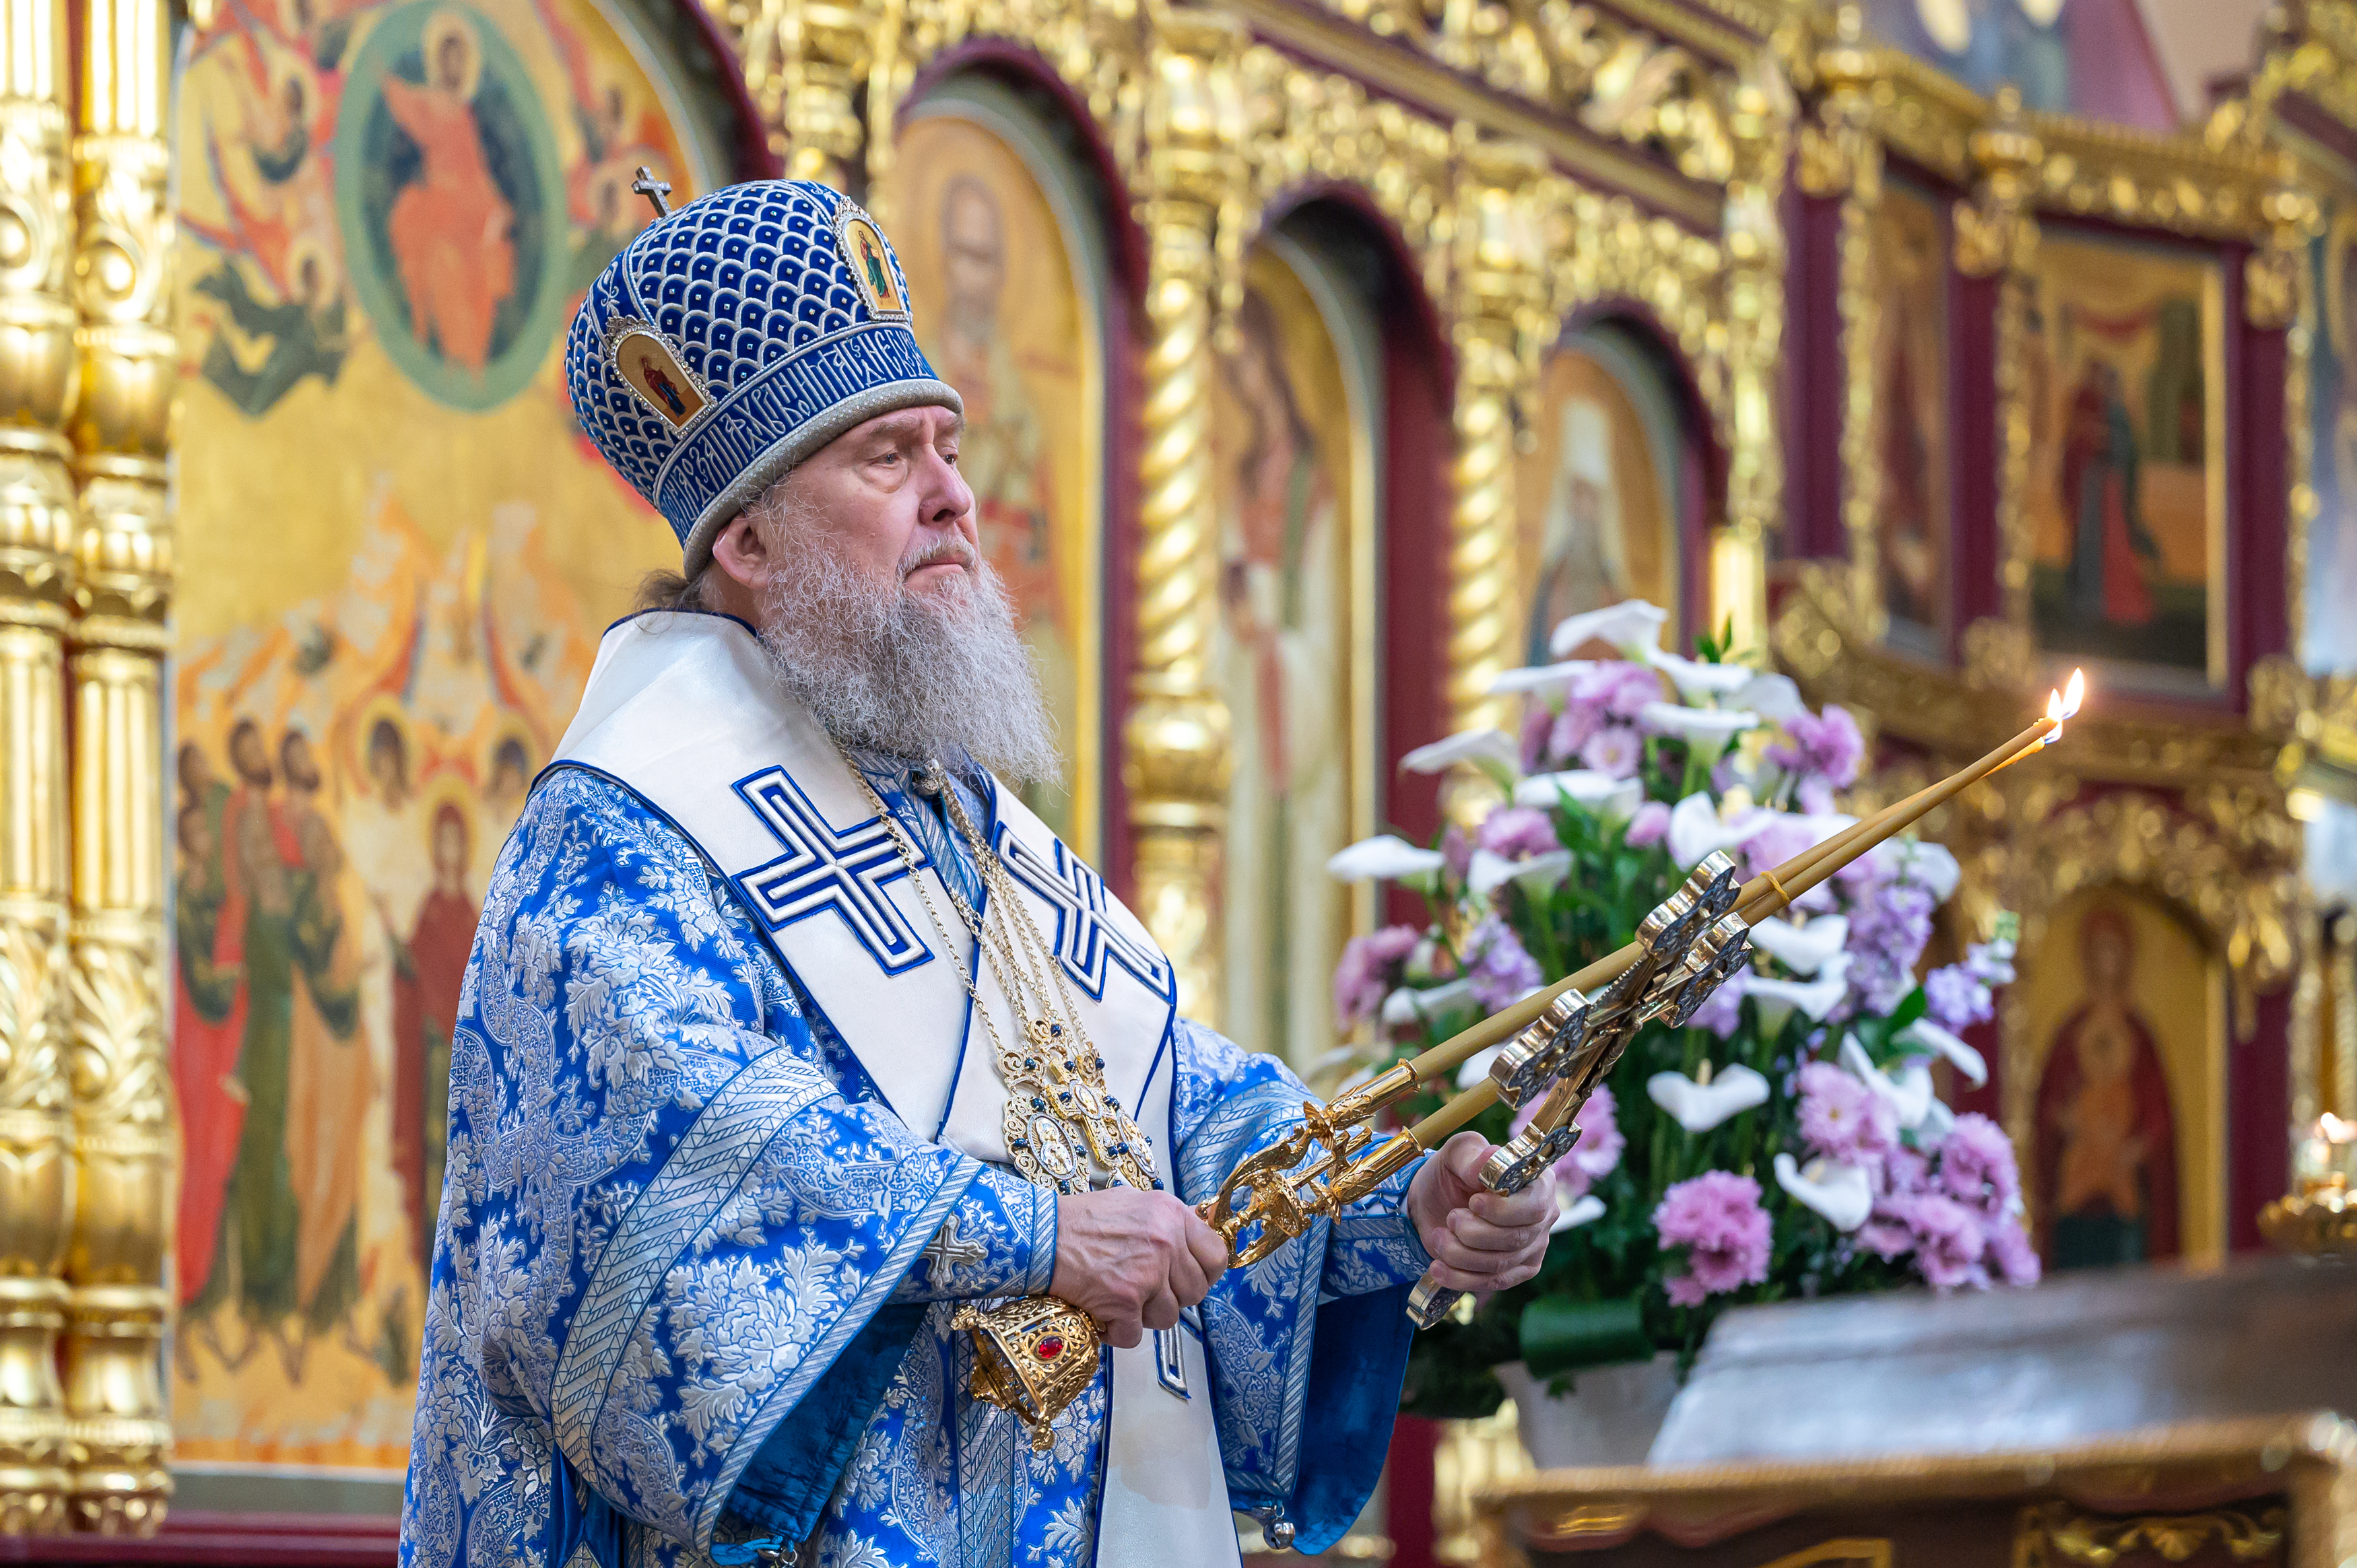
[2065, 704]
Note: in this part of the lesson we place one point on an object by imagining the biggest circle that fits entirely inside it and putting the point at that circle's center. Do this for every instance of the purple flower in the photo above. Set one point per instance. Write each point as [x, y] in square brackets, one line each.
[1618, 688]
[1571, 730]
[1614, 749]
[1886, 1232]
[1597, 1153]
[1949, 1241]
[1538, 723]
[1496, 964]
[1823, 746]
[1717, 1218]
[1369, 972]
[1955, 996]
[2010, 1254]
[1976, 1164]
[1905, 1172]
[1455, 853]
[1841, 1117]
[1991, 963]
[1722, 1011]
[1652, 820]
[1889, 925]
[1518, 833]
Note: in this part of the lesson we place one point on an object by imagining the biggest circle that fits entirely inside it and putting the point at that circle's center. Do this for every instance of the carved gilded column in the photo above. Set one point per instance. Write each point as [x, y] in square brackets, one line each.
[1175, 753]
[121, 1087]
[1499, 318]
[1996, 236]
[1840, 157]
[1753, 237]
[36, 529]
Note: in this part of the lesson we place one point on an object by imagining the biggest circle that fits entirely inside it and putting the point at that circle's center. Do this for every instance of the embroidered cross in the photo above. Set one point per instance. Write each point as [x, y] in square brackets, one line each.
[946, 1253]
[654, 190]
[824, 869]
[1085, 939]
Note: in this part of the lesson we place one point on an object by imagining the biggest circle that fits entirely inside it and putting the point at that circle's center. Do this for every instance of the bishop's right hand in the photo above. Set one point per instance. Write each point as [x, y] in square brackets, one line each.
[1133, 1260]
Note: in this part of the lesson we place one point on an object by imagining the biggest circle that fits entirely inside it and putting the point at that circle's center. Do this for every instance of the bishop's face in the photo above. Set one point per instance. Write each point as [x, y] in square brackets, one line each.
[886, 499]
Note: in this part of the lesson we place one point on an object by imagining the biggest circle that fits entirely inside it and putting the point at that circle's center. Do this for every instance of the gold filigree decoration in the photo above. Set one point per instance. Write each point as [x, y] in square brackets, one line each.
[2051, 1535]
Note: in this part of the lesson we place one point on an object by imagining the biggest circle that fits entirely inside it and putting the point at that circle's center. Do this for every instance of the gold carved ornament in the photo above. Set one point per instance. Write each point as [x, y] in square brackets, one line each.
[2059, 1535]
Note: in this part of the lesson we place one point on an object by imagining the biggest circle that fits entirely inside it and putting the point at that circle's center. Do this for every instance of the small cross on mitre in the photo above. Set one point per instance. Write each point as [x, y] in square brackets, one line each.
[654, 190]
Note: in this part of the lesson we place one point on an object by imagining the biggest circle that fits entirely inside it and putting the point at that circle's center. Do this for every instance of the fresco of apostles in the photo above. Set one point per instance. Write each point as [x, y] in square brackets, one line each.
[389, 210]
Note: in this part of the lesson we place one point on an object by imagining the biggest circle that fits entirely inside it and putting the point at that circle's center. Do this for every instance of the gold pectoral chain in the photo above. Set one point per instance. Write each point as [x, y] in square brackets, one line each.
[1036, 1354]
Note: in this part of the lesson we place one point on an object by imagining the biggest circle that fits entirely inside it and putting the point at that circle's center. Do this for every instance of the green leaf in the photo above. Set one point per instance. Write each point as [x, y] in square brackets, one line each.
[1561, 1334]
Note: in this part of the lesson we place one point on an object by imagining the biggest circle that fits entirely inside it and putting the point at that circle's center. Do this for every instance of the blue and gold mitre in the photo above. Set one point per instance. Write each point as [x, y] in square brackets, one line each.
[737, 335]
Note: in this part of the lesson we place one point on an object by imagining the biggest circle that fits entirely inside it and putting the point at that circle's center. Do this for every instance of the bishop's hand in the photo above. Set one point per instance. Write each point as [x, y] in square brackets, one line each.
[1133, 1260]
[1480, 1241]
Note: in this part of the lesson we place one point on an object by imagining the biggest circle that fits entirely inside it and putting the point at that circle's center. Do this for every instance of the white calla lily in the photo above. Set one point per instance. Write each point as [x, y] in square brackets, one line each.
[1571, 1213]
[1538, 874]
[1929, 865]
[1779, 999]
[1699, 1107]
[1466, 746]
[1632, 623]
[1477, 1066]
[1695, 679]
[1410, 1006]
[1908, 1092]
[1772, 697]
[1937, 1123]
[1710, 728]
[1387, 856]
[1803, 949]
[1931, 1038]
[1540, 678]
[1842, 1194]
[1696, 830]
[1615, 799]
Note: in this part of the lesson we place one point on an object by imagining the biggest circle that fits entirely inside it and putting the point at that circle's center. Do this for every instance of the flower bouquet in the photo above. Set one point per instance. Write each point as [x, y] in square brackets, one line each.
[1789, 1142]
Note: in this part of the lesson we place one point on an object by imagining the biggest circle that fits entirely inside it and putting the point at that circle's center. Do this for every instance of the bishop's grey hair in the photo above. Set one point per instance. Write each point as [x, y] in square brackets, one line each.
[905, 675]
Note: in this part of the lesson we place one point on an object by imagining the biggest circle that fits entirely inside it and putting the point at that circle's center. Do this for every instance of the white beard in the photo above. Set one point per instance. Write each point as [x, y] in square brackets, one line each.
[937, 674]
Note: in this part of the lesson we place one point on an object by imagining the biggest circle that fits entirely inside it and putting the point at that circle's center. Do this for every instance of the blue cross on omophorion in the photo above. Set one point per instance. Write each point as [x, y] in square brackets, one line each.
[824, 869]
[1085, 936]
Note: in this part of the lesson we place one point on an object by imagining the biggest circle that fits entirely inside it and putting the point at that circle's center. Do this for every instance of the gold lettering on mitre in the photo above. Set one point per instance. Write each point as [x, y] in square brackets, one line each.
[652, 367]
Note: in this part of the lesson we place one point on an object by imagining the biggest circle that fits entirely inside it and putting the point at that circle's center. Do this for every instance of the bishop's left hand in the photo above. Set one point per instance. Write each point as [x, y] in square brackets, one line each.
[1480, 1241]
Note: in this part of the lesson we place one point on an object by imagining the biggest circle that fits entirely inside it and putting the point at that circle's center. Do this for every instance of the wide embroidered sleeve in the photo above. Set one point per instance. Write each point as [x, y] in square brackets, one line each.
[1373, 1245]
[664, 1228]
[1318, 1324]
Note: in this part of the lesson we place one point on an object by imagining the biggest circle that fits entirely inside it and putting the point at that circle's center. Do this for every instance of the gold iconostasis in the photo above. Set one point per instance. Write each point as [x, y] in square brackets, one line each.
[1316, 361]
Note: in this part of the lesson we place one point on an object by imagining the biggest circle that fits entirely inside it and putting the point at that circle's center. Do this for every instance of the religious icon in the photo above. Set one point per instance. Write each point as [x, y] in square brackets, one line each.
[451, 227]
[871, 267]
[452, 201]
[1909, 413]
[647, 362]
[2127, 484]
[2106, 1134]
[1008, 319]
[1283, 440]
[1595, 526]
[2332, 535]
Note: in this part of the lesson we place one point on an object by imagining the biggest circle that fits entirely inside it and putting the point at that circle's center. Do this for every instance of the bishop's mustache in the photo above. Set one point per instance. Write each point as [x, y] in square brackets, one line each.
[951, 547]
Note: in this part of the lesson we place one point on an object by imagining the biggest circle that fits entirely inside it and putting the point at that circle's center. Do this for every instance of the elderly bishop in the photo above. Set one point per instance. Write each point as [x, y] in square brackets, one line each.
[793, 1051]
